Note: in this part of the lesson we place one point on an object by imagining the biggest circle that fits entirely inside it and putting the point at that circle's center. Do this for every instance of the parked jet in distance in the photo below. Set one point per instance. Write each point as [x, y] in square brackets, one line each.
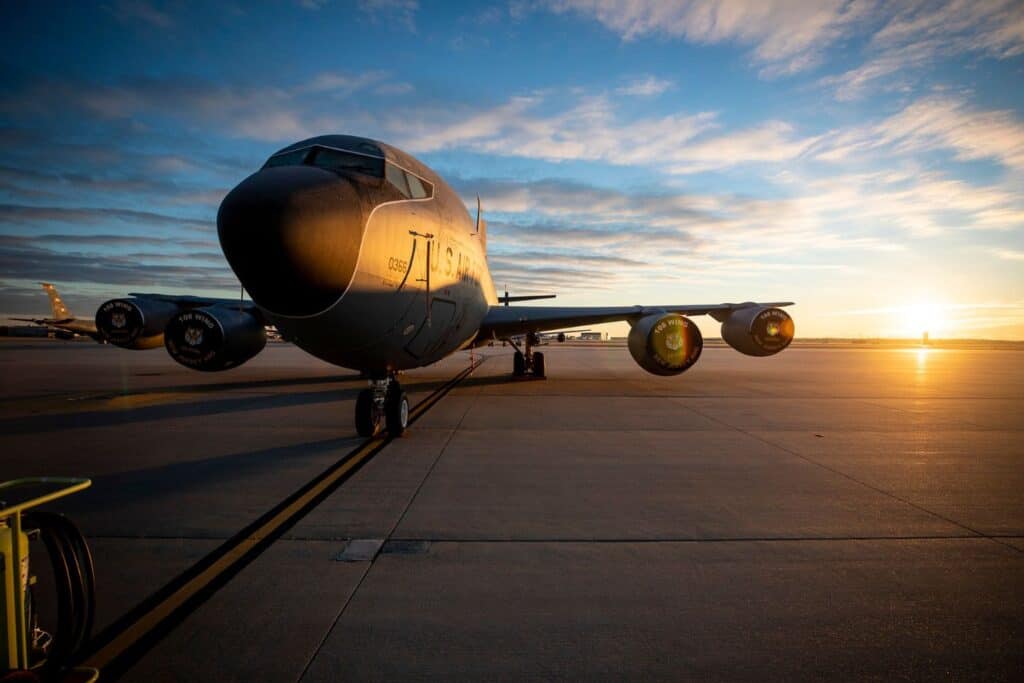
[65, 324]
[365, 258]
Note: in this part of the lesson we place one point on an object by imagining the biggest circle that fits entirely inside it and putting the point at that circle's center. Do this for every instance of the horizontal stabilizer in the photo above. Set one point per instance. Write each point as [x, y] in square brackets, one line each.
[531, 297]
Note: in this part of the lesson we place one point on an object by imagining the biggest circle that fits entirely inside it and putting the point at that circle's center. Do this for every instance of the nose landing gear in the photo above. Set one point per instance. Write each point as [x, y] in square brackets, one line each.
[384, 401]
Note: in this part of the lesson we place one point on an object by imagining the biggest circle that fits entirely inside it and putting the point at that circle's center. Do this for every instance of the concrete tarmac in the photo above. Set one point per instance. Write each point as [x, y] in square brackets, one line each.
[839, 513]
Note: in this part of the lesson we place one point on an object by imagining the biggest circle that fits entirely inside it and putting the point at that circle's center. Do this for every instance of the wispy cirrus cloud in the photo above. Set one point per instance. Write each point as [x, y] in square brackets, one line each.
[931, 123]
[917, 34]
[648, 86]
[141, 11]
[30, 216]
[21, 261]
[785, 36]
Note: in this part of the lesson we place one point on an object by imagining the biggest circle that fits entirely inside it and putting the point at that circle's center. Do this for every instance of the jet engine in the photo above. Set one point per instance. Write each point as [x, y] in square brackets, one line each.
[134, 323]
[758, 331]
[214, 338]
[665, 344]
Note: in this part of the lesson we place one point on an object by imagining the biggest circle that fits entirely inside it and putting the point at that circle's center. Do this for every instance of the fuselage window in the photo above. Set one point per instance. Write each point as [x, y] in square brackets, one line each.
[396, 177]
[293, 158]
[336, 160]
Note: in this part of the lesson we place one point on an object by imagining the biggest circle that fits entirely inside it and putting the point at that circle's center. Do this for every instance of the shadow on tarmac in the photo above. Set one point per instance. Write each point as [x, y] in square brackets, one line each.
[120, 492]
[120, 415]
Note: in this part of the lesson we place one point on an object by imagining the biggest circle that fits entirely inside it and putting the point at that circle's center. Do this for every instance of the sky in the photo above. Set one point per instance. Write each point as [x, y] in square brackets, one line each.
[862, 158]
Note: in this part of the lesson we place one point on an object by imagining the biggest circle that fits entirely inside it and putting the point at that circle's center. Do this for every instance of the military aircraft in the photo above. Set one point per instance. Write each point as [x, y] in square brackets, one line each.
[66, 324]
[365, 258]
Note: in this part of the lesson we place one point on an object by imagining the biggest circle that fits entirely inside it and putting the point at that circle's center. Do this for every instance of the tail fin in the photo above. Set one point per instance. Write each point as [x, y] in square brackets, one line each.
[481, 225]
[60, 311]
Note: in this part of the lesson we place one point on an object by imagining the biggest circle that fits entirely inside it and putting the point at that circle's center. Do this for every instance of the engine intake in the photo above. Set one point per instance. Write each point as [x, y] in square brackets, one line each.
[758, 331]
[134, 323]
[665, 344]
[214, 338]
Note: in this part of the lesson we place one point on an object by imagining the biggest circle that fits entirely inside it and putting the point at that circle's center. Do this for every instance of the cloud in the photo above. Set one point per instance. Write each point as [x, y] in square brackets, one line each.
[340, 82]
[263, 112]
[772, 141]
[19, 215]
[917, 34]
[142, 11]
[589, 129]
[787, 36]
[401, 12]
[645, 87]
[19, 261]
[541, 125]
[937, 122]
[106, 240]
[1009, 254]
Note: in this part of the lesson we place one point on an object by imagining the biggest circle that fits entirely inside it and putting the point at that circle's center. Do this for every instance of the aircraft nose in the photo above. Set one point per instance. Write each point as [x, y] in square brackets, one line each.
[292, 236]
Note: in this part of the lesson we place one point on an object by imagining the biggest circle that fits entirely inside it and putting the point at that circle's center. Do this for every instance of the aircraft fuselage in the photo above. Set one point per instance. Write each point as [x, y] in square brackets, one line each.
[413, 269]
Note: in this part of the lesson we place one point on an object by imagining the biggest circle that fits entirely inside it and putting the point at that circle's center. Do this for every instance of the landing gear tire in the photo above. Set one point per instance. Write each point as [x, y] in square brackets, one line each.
[518, 364]
[367, 419]
[396, 411]
[538, 365]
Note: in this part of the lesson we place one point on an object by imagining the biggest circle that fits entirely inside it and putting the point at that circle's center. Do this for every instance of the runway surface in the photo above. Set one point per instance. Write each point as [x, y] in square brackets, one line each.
[827, 513]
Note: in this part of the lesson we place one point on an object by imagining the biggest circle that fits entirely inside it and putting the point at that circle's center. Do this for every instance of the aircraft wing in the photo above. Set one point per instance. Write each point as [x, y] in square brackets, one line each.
[505, 321]
[187, 301]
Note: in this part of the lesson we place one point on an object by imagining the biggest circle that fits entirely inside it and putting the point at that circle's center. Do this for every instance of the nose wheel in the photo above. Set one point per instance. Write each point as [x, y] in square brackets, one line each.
[383, 404]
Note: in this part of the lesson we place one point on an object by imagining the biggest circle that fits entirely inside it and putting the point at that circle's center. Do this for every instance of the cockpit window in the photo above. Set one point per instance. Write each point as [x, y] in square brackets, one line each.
[330, 159]
[337, 160]
[293, 158]
[342, 161]
[416, 187]
[409, 185]
[396, 177]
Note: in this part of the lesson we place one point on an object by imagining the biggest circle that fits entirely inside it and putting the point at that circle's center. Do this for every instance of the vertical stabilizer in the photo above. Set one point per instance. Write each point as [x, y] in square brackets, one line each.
[60, 311]
[481, 225]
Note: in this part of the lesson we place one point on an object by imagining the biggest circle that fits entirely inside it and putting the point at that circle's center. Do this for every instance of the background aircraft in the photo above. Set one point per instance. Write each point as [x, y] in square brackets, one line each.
[365, 258]
[65, 324]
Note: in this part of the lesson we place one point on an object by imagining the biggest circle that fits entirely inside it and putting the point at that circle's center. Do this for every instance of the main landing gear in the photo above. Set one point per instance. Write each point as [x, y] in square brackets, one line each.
[384, 401]
[526, 363]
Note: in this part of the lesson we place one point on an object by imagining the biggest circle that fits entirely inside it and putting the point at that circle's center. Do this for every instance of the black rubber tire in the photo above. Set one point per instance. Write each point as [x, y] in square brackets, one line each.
[518, 364]
[538, 365]
[367, 423]
[396, 411]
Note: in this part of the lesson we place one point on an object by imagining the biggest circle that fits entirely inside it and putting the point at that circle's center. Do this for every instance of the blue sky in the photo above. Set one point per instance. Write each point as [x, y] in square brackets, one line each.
[863, 158]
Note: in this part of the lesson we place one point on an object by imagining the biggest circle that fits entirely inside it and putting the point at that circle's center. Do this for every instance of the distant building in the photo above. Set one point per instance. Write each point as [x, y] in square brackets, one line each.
[594, 336]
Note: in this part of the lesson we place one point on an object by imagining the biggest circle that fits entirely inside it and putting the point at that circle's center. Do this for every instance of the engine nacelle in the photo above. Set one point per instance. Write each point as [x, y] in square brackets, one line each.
[665, 344]
[758, 331]
[134, 323]
[214, 338]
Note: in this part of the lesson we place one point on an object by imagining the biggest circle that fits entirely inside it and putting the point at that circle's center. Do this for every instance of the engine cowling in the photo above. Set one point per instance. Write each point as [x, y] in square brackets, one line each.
[134, 323]
[214, 338]
[758, 331]
[665, 344]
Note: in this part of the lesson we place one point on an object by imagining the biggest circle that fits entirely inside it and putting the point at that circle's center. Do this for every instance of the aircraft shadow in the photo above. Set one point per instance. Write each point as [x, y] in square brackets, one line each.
[113, 417]
[104, 505]
[50, 423]
[249, 384]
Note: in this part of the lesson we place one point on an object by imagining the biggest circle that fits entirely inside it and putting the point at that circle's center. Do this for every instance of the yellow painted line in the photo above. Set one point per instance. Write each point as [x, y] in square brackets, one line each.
[150, 620]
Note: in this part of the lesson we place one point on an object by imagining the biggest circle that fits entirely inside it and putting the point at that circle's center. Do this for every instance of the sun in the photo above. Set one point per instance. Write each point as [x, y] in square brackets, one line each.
[922, 316]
